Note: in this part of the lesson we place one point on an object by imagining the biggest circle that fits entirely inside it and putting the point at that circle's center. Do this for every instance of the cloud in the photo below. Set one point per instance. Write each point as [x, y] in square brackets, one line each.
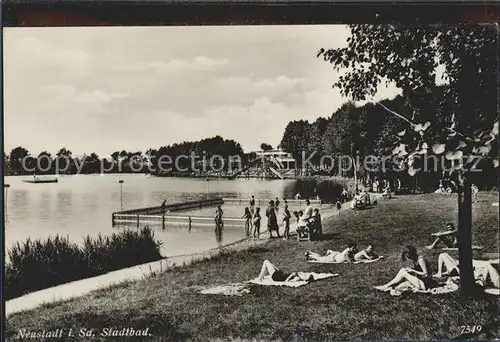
[28, 52]
[198, 63]
[280, 83]
[64, 92]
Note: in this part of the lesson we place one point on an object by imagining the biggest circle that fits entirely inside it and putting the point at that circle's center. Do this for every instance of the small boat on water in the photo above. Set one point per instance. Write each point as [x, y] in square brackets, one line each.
[38, 181]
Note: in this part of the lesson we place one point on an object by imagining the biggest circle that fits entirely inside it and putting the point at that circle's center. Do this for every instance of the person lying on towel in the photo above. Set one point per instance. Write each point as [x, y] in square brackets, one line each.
[418, 275]
[366, 254]
[347, 255]
[278, 275]
[484, 271]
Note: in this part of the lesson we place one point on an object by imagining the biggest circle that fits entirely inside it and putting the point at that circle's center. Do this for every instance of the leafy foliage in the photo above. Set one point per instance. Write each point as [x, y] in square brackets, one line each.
[463, 122]
[37, 264]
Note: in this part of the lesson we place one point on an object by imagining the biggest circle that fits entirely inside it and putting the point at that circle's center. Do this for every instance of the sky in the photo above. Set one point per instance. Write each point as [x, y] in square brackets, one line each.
[103, 89]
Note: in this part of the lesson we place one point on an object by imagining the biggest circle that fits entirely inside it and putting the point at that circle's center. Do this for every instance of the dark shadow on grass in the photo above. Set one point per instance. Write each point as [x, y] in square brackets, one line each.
[367, 207]
[325, 237]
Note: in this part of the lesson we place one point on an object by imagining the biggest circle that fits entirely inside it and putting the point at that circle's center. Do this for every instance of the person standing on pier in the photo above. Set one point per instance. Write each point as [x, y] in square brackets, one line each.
[219, 223]
[272, 221]
[163, 206]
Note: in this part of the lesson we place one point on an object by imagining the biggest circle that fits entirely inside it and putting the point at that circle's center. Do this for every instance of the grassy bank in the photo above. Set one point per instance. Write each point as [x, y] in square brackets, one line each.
[39, 264]
[343, 308]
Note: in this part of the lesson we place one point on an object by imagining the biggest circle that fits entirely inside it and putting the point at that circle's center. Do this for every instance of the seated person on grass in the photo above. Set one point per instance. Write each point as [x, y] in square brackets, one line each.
[277, 275]
[417, 276]
[483, 270]
[449, 237]
[366, 254]
[347, 255]
[315, 223]
[304, 222]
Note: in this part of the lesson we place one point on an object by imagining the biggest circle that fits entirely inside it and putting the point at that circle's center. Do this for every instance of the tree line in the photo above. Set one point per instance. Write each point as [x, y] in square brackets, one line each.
[21, 162]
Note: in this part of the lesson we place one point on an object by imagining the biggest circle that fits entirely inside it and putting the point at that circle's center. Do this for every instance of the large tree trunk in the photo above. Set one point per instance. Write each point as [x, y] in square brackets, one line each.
[467, 282]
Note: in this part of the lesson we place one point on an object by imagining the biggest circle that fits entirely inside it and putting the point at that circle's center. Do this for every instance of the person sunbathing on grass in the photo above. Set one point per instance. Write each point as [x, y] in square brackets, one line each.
[483, 270]
[278, 275]
[418, 275]
[366, 254]
[347, 255]
[449, 237]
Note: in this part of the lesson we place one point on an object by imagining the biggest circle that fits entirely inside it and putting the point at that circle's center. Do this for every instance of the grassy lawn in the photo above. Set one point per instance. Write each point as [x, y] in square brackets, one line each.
[342, 308]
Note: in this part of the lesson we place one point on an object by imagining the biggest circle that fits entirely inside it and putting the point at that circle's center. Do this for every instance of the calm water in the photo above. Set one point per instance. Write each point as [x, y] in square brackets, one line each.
[81, 205]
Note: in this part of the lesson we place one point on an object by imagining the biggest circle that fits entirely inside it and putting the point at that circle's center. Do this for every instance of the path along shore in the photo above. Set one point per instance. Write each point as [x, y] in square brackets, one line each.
[81, 287]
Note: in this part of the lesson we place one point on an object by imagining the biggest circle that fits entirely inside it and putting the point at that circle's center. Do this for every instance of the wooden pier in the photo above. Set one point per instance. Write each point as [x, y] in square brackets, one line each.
[263, 202]
[162, 215]
[171, 214]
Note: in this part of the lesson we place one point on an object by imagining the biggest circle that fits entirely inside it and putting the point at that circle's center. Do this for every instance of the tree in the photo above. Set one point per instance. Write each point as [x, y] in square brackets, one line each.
[295, 139]
[16, 157]
[463, 125]
[64, 161]
[265, 147]
[44, 162]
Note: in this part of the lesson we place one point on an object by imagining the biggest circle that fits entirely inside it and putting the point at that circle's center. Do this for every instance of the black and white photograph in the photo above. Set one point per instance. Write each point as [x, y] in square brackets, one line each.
[287, 182]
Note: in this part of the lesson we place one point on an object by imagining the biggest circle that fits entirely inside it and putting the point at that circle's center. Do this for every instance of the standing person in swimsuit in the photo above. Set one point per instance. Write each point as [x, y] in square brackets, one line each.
[256, 223]
[419, 276]
[276, 205]
[252, 205]
[248, 221]
[272, 221]
[219, 223]
[286, 219]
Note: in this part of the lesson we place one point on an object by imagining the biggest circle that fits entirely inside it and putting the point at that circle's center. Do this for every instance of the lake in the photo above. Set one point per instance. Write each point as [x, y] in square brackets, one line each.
[81, 205]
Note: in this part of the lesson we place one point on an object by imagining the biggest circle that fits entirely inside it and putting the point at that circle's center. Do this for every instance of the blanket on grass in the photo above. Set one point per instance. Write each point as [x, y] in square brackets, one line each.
[345, 262]
[491, 291]
[236, 289]
[268, 281]
[406, 287]
[477, 248]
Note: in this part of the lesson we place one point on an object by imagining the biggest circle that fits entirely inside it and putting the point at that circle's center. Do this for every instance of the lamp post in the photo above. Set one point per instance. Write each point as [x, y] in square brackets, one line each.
[355, 168]
[6, 186]
[121, 194]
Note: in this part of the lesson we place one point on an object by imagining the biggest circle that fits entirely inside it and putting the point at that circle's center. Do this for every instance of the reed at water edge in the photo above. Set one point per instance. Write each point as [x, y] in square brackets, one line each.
[39, 264]
[328, 188]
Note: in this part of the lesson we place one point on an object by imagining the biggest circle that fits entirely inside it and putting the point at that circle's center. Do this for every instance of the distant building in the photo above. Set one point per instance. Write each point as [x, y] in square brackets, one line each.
[282, 159]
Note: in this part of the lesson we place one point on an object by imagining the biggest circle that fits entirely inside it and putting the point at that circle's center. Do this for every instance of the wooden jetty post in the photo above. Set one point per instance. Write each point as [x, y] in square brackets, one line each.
[113, 220]
[190, 223]
[137, 221]
[163, 220]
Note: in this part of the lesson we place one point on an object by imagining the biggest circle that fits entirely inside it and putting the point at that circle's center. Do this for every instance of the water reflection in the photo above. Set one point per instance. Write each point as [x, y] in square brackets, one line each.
[218, 234]
[63, 203]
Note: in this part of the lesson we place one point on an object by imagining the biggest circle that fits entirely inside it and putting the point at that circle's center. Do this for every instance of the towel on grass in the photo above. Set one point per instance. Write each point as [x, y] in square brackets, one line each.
[495, 292]
[268, 281]
[237, 289]
[478, 248]
[447, 287]
[367, 261]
